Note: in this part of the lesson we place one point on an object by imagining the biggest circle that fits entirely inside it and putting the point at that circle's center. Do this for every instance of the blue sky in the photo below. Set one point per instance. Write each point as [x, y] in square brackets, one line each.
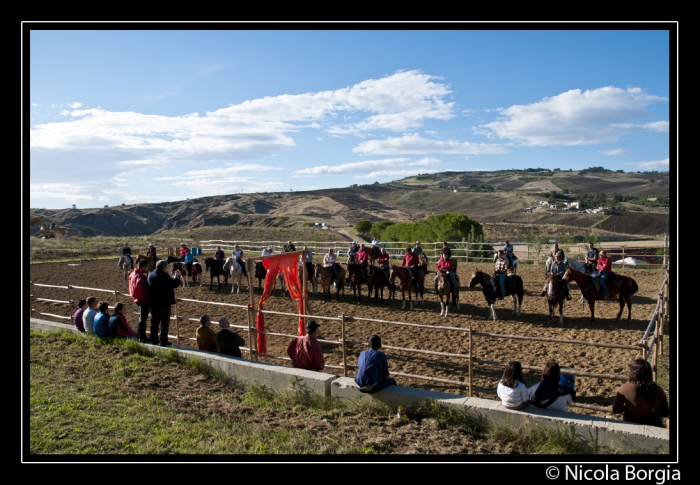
[133, 116]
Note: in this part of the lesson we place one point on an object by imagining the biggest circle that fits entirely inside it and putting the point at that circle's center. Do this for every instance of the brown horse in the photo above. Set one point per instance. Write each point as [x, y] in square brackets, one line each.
[406, 282]
[556, 294]
[376, 278]
[356, 280]
[372, 255]
[513, 286]
[324, 276]
[622, 286]
[445, 290]
[151, 262]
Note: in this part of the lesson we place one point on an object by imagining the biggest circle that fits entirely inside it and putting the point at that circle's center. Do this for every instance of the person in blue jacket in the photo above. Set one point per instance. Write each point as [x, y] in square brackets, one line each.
[373, 368]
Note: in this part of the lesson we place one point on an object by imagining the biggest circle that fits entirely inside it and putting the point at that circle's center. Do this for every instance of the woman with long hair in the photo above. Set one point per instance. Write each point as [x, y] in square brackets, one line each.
[641, 400]
[549, 393]
[512, 388]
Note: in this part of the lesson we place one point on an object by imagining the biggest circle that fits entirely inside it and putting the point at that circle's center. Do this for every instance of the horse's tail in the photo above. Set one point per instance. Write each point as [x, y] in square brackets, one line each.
[634, 288]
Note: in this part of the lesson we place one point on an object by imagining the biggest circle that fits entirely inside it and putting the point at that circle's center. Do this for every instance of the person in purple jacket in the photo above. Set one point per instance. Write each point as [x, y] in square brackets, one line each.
[78, 315]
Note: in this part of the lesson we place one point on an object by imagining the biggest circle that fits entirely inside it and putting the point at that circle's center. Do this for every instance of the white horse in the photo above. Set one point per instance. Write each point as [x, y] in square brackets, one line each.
[126, 264]
[236, 272]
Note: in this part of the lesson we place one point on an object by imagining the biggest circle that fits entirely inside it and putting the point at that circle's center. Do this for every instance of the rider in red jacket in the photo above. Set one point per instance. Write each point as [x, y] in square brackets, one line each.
[410, 261]
[361, 257]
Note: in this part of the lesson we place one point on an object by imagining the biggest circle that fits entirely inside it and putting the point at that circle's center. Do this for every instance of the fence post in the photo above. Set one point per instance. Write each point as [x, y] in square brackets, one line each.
[471, 357]
[177, 325]
[667, 317]
[665, 250]
[69, 303]
[342, 336]
[252, 339]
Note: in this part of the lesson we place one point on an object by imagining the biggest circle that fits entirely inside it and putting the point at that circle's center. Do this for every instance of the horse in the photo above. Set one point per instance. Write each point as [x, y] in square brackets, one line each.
[622, 286]
[514, 268]
[216, 268]
[325, 275]
[261, 274]
[556, 294]
[126, 264]
[445, 290]
[355, 275]
[235, 270]
[406, 283]
[513, 286]
[376, 278]
[372, 254]
[182, 267]
[310, 278]
[173, 259]
[151, 262]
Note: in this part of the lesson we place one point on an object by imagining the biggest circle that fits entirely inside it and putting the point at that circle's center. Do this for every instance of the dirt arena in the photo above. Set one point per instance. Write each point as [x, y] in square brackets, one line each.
[105, 274]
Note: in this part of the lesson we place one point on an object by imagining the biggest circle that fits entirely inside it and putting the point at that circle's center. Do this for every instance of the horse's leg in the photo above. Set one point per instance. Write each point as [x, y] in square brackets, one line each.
[561, 313]
[621, 301]
[493, 311]
[628, 299]
[591, 305]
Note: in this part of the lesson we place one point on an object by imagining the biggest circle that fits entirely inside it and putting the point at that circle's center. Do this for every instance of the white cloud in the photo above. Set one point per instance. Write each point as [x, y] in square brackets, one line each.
[74, 105]
[395, 173]
[65, 112]
[415, 144]
[614, 151]
[577, 118]
[370, 166]
[654, 165]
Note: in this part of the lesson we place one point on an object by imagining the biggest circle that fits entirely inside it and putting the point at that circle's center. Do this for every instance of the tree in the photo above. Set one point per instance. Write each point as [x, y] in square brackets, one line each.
[379, 227]
[363, 226]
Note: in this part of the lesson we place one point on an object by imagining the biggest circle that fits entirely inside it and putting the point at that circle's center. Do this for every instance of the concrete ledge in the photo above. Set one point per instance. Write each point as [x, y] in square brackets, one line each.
[629, 437]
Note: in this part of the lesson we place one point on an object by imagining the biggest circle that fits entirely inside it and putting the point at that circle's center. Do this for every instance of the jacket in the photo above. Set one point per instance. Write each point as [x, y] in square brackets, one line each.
[161, 288]
[138, 286]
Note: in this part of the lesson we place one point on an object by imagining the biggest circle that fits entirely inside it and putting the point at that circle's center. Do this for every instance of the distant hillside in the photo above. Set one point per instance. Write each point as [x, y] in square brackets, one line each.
[488, 197]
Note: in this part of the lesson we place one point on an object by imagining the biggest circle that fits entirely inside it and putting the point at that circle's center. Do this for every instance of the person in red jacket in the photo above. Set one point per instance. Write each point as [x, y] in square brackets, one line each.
[138, 289]
[306, 352]
[383, 261]
[446, 263]
[361, 257]
[411, 261]
[183, 250]
[604, 268]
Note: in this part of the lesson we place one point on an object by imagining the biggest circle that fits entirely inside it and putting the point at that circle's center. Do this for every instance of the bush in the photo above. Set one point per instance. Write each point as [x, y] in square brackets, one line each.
[363, 226]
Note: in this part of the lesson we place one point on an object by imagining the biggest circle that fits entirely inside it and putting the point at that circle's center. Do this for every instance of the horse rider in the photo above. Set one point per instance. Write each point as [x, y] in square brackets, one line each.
[353, 250]
[508, 252]
[591, 258]
[362, 257]
[329, 262]
[183, 250]
[151, 253]
[446, 249]
[188, 258]
[383, 259]
[557, 268]
[411, 261]
[290, 247]
[375, 246]
[219, 254]
[238, 254]
[268, 251]
[126, 253]
[604, 267]
[445, 263]
[308, 259]
[500, 271]
[417, 250]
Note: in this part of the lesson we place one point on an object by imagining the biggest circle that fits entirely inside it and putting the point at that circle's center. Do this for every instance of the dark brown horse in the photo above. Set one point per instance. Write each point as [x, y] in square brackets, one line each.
[377, 280]
[261, 274]
[622, 286]
[356, 279]
[513, 286]
[324, 276]
[406, 283]
[151, 262]
[556, 294]
[216, 268]
[445, 290]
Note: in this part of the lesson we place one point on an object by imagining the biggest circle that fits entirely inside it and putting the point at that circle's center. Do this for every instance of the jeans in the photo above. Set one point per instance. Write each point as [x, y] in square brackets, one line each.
[602, 277]
[382, 384]
[144, 308]
[501, 281]
[243, 266]
[453, 279]
[160, 317]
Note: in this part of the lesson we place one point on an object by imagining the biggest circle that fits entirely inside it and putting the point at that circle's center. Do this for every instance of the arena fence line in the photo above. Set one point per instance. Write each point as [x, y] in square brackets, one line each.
[659, 320]
[469, 358]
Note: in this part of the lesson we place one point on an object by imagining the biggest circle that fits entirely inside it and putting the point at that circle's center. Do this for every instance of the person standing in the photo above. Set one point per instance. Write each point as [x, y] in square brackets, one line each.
[138, 289]
[89, 315]
[604, 268]
[306, 352]
[229, 342]
[373, 368]
[78, 315]
[206, 338]
[161, 295]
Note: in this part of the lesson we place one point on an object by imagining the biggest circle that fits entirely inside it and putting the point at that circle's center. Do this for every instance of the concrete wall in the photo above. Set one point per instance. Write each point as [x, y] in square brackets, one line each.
[632, 438]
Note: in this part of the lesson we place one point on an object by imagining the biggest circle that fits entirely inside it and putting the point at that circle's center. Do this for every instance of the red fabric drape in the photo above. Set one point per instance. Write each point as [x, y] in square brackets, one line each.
[286, 264]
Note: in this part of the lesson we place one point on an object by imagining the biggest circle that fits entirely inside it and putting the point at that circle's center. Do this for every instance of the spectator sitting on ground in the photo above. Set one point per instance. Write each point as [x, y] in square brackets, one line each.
[641, 400]
[306, 352]
[373, 368]
[89, 315]
[78, 315]
[549, 393]
[512, 388]
[102, 321]
[206, 338]
[118, 326]
[229, 342]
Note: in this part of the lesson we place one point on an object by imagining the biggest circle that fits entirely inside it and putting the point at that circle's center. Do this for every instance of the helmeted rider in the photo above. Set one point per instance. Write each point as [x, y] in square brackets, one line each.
[446, 263]
[557, 268]
[361, 257]
[329, 262]
[151, 253]
[411, 261]
[383, 259]
[352, 251]
[500, 271]
[376, 246]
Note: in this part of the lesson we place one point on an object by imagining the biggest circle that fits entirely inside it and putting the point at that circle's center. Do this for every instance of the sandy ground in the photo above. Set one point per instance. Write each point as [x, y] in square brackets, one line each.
[534, 321]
